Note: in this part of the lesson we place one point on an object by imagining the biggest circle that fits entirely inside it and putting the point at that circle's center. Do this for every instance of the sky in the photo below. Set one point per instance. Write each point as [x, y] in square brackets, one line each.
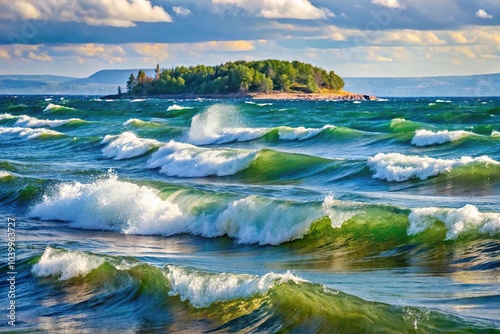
[355, 38]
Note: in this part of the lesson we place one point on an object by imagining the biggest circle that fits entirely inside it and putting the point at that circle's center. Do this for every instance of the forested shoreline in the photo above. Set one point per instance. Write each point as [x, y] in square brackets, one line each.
[264, 76]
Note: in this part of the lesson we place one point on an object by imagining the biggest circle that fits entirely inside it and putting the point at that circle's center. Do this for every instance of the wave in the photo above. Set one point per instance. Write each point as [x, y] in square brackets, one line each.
[426, 137]
[127, 145]
[6, 116]
[4, 174]
[186, 160]
[259, 104]
[28, 133]
[203, 289]
[177, 107]
[399, 167]
[65, 265]
[124, 207]
[230, 302]
[495, 133]
[137, 100]
[401, 125]
[457, 221]
[32, 122]
[222, 124]
[56, 107]
[138, 123]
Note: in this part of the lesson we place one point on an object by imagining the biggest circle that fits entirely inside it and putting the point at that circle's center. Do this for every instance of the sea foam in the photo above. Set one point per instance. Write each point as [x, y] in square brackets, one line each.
[186, 160]
[204, 289]
[127, 145]
[177, 107]
[109, 204]
[52, 106]
[124, 207]
[426, 137]
[27, 133]
[65, 265]
[219, 124]
[457, 221]
[301, 133]
[399, 167]
[32, 122]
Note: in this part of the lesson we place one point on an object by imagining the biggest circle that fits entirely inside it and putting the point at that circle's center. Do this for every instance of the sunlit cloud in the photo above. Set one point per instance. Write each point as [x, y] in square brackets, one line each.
[118, 13]
[481, 13]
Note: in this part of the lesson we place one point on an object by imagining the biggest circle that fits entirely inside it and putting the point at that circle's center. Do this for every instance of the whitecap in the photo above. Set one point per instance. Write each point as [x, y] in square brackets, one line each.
[426, 137]
[127, 145]
[399, 167]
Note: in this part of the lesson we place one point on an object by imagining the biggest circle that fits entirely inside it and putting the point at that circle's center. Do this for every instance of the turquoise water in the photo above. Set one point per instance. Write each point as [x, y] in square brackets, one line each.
[241, 216]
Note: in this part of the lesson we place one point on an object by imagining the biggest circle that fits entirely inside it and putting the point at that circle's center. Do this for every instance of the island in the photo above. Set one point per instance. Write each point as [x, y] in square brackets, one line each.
[262, 79]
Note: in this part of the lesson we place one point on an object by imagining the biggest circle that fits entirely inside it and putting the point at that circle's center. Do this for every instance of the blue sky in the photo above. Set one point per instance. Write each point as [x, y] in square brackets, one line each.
[353, 37]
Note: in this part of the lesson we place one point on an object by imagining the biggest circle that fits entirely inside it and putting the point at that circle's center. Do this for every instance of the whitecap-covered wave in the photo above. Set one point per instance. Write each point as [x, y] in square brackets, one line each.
[222, 124]
[127, 145]
[52, 106]
[186, 160]
[65, 265]
[178, 107]
[301, 133]
[32, 122]
[457, 221]
[495, 133]
[27, 133]
[4, 174]
[110, 204]
[202, 289]
[139, 123]
[426, 137]
[399, 167]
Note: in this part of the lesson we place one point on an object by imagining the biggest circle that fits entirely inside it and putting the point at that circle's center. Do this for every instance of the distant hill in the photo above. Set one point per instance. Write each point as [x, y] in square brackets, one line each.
[473, 85]
[107, 81]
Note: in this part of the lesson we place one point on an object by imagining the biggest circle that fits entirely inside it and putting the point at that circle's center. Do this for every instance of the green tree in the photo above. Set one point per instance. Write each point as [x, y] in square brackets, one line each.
[131, 83]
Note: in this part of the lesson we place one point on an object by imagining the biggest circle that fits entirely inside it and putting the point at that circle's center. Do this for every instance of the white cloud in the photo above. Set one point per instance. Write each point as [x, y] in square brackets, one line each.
[118, 13]
[4, 54]
[481, 13]
[44, 56]
[388, 3]
[279, 9]
[181, 11]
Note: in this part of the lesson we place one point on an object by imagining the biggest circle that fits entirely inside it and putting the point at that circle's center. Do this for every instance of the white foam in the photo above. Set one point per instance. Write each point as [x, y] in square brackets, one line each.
[301, 133]
[495, 133]
[138, 122]
[399, 167]
[64, 264]
[127, 145]
[109, 204]
[137, 100]
[27, 133]
[340, 211]
[32, 122]
[426, 137]
[6, 116]
[265, 221]
[456, 221]
[219, 124]
[4, 174]
[204, 289]
[186, 160]
[52, 106]
[177, 107]
[443, 101]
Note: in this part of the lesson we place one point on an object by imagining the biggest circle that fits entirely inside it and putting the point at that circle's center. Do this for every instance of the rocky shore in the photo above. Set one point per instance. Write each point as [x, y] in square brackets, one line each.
[341, 96]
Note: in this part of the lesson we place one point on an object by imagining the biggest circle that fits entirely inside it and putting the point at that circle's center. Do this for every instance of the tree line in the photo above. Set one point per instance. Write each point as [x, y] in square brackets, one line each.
[236, 77]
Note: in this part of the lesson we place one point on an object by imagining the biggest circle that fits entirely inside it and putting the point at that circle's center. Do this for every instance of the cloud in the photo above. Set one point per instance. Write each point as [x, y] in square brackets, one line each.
[181, 11]
[388, 3]
[44, 56]
[117, 13]
[279, 9]
[481, 13]
[4, 54]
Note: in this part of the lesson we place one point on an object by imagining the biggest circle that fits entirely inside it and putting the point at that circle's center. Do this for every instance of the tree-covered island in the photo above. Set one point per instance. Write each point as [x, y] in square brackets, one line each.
[239, 77]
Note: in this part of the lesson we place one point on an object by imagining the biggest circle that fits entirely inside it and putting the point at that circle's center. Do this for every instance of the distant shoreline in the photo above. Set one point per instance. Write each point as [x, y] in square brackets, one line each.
[341, 96]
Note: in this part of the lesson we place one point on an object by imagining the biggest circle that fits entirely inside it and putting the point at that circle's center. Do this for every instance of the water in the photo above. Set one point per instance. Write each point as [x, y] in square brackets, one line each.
[239, 216]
